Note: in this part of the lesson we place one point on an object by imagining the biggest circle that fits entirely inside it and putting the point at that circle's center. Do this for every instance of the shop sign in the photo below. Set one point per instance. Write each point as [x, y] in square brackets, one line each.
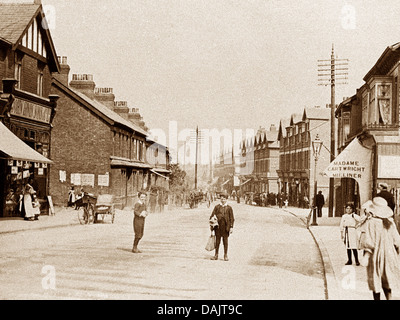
[103, 180]
[87, 179]
[388, 167]
[31, 110]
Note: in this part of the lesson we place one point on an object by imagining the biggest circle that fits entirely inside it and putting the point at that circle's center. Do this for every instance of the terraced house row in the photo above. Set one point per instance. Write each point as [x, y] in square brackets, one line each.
[59, 131]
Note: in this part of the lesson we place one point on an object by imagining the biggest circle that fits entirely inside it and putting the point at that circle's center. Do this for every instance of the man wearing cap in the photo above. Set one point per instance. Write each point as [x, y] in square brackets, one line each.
[385, 194]
[224, 214]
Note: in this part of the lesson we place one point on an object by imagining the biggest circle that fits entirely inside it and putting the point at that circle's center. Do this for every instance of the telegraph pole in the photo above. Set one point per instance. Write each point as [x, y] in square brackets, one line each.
[195, 164]
[329, 77]
[198, 140]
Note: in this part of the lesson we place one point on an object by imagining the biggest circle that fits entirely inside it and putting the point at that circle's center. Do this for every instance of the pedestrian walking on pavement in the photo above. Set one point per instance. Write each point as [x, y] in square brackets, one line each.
[319, 202]
[224, 214]
[348, 232]
[385, 194]
[381, 243]
[140, 214]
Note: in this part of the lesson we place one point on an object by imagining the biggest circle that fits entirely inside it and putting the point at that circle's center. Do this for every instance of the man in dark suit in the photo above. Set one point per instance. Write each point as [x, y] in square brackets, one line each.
[224, 214]
[319, 202]
[385, 194]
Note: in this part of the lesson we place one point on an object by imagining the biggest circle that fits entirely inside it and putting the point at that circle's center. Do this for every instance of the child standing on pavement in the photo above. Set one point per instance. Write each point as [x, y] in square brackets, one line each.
[348, 232]
[140, 214]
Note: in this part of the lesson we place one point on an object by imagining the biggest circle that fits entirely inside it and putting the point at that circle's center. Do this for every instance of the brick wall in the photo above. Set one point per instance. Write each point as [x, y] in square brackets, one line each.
[81, 142]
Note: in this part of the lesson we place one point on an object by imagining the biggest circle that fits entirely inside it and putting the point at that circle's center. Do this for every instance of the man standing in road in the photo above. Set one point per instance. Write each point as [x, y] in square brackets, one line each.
[224, 214]
[319, 202]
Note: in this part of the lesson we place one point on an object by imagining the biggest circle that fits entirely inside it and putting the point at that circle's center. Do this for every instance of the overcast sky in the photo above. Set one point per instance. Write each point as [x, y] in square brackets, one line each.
[221, 64]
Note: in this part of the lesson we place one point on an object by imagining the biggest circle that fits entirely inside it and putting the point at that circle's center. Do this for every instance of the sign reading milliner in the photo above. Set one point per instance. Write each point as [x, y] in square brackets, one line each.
[346, 169]
[354, 162]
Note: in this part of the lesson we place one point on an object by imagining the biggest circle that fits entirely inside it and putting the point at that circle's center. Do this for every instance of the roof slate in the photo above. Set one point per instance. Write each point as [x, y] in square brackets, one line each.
[14, 20]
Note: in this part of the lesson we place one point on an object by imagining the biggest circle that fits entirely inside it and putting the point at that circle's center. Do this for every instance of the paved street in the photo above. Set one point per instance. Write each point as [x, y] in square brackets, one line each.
[272, 256]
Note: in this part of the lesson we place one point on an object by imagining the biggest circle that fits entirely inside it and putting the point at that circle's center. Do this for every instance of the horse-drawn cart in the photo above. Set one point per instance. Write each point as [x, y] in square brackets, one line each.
[92, 209]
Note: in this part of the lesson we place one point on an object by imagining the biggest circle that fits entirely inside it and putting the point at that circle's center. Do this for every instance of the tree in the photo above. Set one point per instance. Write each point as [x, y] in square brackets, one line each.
[177, 178]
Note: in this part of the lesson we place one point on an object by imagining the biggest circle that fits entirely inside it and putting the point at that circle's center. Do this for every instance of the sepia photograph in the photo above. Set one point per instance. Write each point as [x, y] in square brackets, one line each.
[199, 155]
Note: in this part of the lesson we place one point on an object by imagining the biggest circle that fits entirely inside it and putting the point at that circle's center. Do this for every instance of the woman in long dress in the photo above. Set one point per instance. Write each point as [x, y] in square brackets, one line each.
[29, 209]
[381, 242]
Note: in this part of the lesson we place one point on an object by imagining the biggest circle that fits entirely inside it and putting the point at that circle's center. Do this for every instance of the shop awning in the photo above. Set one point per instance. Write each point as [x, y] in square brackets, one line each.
[12, 147]
[161, 170]
[245, 182]
[159, 174]
[128, 163]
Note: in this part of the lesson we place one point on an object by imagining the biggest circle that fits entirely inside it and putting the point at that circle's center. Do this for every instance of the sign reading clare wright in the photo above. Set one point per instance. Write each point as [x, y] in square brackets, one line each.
[31, 110]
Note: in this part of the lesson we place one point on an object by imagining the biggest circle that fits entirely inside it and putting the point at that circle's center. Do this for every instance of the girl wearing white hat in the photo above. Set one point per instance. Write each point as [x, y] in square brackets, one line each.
[381, 243]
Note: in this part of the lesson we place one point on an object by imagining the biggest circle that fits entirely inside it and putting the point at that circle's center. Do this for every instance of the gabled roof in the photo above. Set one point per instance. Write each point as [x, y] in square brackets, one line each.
[295, 118]
[100, 109]
[271, 136]
[317, 113]
[385, 62]
[15, 20]
[283, 124]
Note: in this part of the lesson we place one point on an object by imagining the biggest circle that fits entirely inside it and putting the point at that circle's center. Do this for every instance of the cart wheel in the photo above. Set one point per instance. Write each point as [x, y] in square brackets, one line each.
[83, 215]
[90, 213]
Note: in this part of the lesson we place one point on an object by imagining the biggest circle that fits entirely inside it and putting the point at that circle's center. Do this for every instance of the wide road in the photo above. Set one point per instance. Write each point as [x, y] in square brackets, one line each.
[272, 256]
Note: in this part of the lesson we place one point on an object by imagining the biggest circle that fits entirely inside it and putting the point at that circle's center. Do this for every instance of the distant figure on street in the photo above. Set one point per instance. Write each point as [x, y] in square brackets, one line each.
[29, 211]
[348, 232]
[385, 194]
[380, 242]
[71, 197]
[140, 214]
[280, 199]
[319, 203]
[224, 214]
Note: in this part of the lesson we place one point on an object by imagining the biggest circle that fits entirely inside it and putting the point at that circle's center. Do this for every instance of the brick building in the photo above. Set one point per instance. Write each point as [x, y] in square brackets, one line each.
[372, 115]
[296, 160]
[27, 108]
[100, 144]
[261, 160]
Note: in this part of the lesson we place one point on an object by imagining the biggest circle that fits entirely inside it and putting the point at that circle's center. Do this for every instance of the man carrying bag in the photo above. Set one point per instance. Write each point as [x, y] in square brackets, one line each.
[225, 218]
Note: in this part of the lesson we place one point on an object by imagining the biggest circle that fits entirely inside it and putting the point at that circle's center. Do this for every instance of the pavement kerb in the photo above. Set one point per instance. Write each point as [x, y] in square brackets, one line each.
[61, 225]
[330, 280]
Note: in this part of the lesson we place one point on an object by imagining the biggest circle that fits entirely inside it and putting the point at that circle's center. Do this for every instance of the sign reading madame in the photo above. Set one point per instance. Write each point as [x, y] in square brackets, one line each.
[346, 169]
[30, 110]
[355, 161]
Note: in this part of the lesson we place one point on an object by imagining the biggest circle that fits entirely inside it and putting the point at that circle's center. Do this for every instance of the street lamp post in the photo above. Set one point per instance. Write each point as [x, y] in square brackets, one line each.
[316, 144]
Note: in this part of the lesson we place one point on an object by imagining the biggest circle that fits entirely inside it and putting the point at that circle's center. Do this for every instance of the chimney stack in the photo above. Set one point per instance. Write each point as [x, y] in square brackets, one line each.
[64, 71]
[39, 2]
[83, 83]
[121, 107]
[135, 117]
[105, 96]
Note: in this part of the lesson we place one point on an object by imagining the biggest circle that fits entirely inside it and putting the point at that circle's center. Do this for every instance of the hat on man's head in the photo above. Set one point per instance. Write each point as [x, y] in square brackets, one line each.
[378, 207]
[383, 185]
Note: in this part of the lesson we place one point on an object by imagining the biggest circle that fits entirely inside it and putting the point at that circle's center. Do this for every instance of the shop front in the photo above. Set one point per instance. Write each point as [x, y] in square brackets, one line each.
[19, 165]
